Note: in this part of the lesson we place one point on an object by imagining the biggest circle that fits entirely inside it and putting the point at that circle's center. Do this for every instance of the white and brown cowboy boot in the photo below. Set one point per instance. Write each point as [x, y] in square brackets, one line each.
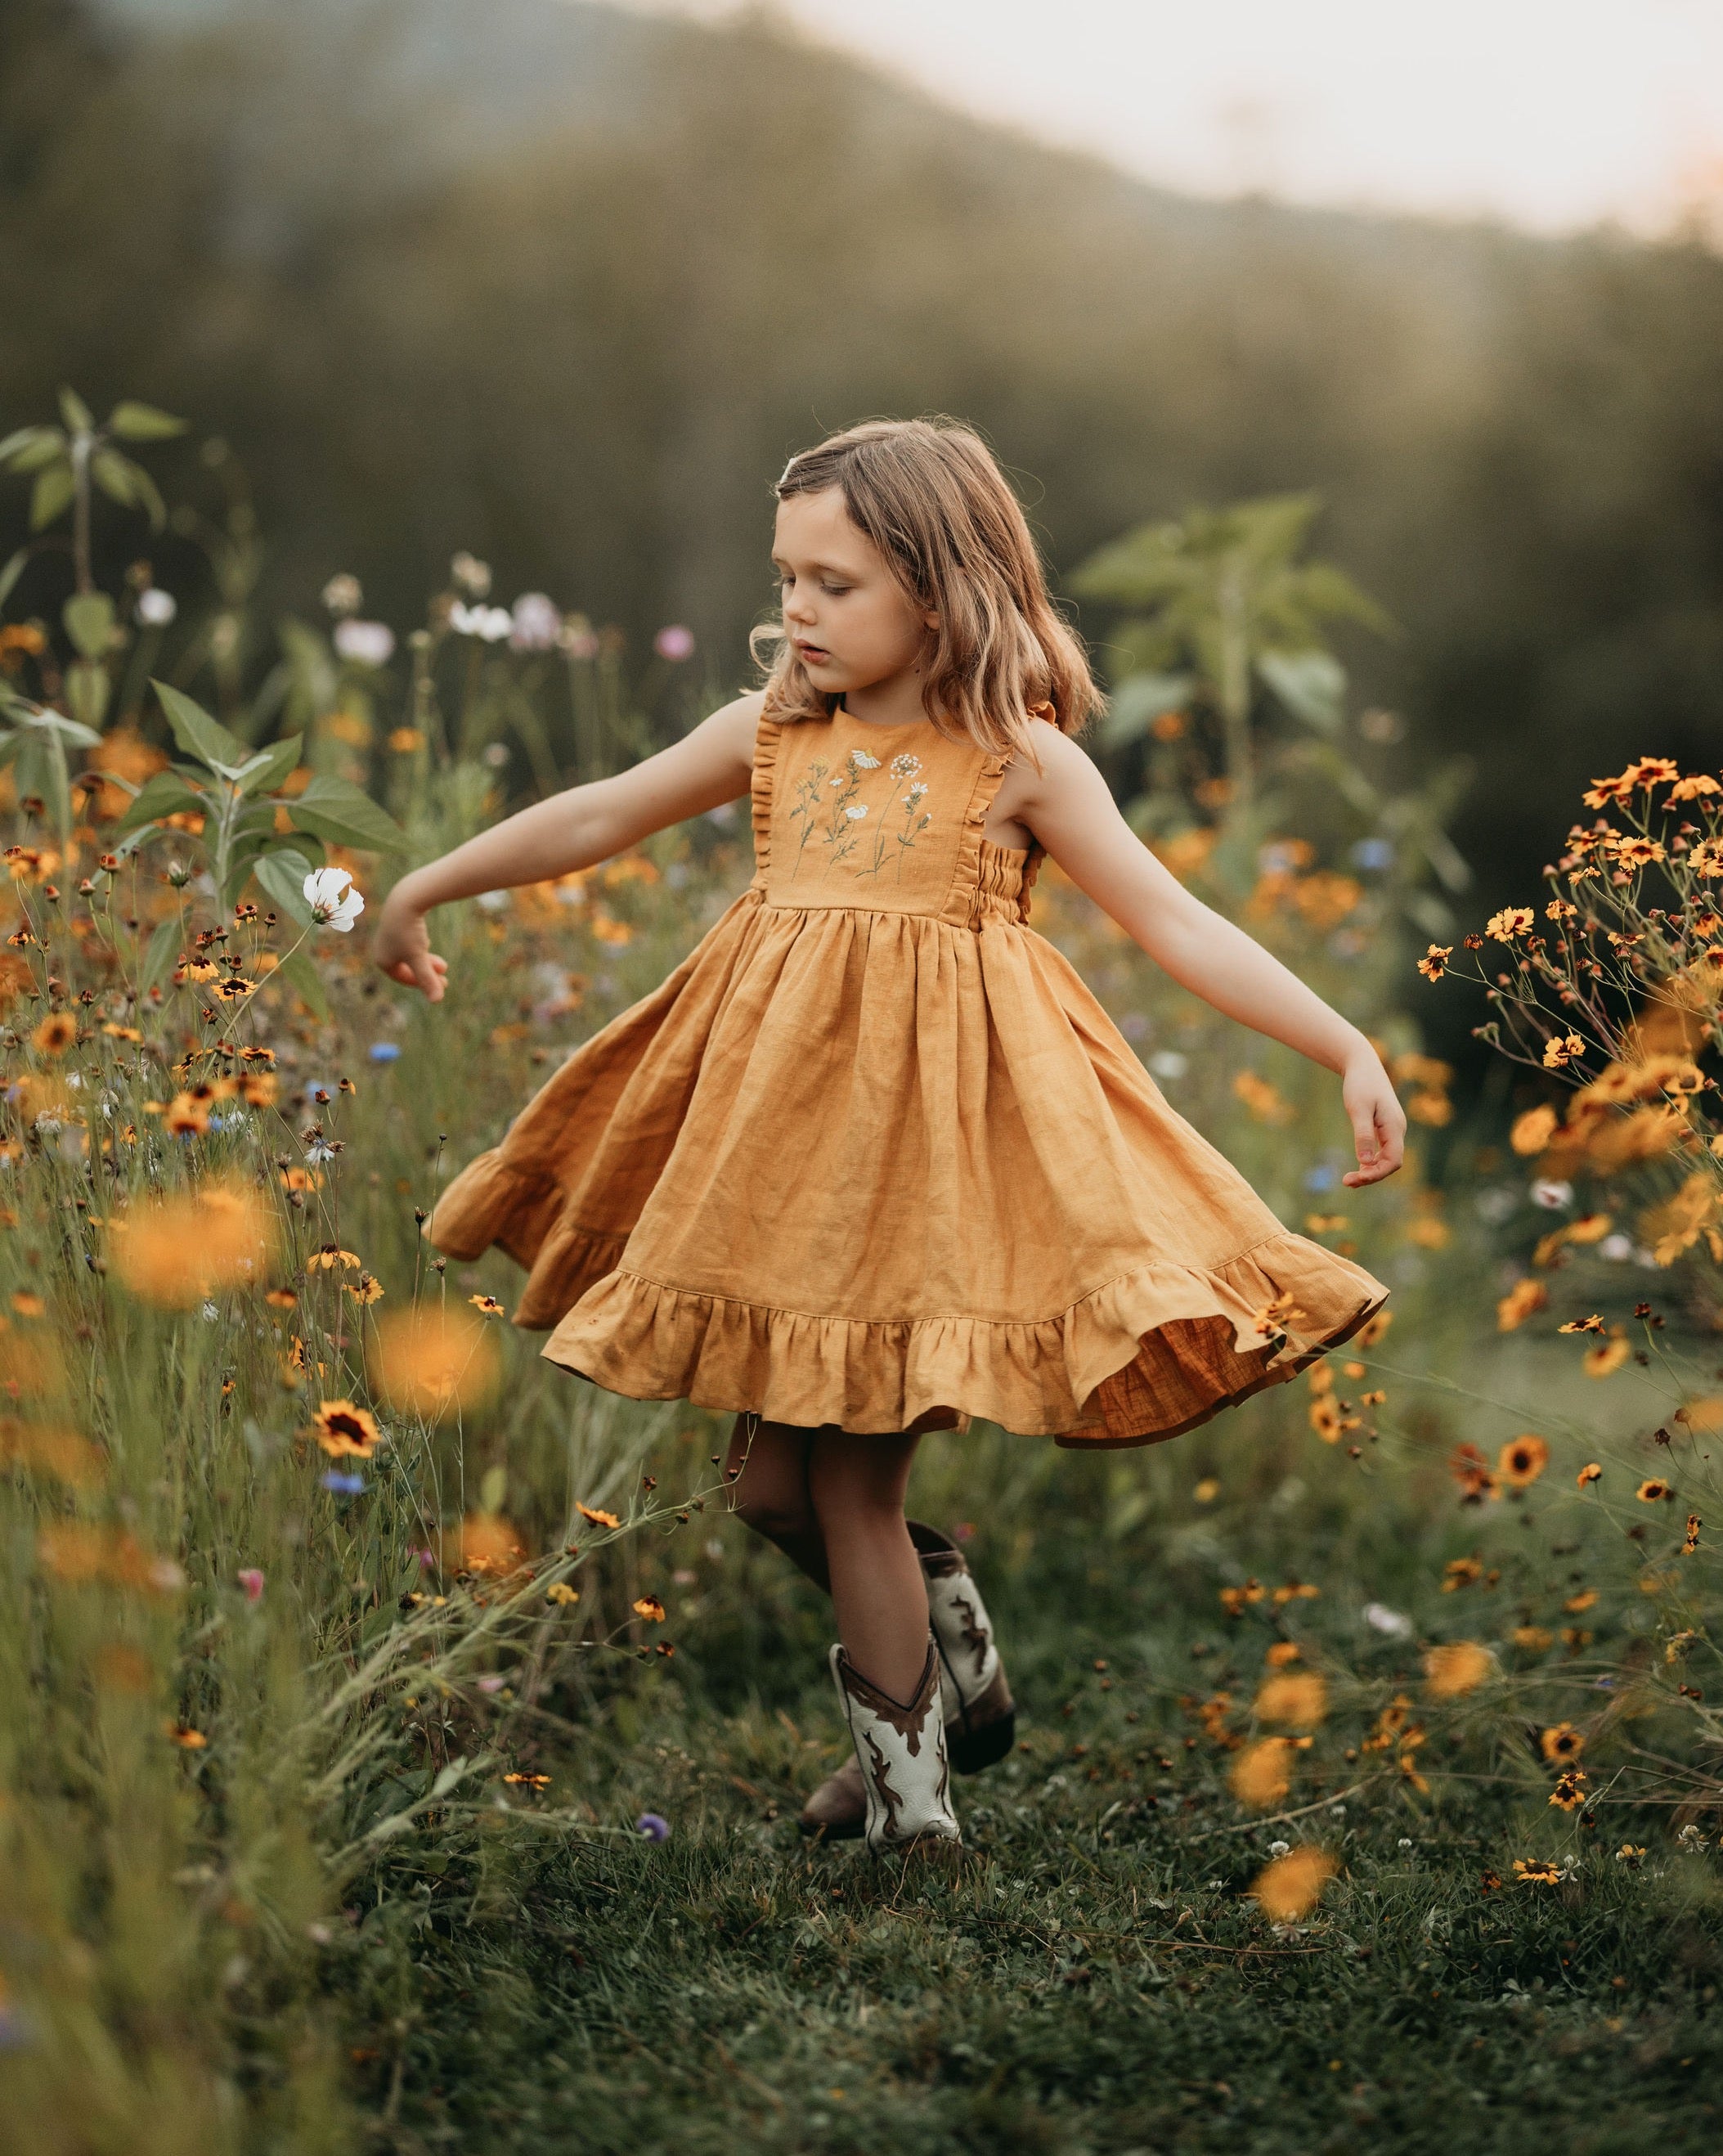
[900, 1747]
[980, 1715]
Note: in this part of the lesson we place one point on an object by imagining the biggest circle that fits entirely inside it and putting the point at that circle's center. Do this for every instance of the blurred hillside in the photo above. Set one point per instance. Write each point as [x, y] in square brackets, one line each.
[565, 286]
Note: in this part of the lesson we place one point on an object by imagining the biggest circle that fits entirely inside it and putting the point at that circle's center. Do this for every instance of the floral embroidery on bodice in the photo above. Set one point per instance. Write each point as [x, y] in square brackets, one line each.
[881, 820]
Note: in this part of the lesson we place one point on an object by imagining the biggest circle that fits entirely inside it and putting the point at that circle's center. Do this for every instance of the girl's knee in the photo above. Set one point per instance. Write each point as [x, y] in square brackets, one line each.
[779, 1515]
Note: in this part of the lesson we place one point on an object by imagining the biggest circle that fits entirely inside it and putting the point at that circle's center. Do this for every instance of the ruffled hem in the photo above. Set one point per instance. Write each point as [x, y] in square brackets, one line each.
[1146, 1357]
[523, 1214]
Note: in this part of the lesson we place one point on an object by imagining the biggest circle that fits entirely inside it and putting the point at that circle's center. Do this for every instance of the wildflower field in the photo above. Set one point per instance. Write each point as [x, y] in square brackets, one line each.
[401, 1748]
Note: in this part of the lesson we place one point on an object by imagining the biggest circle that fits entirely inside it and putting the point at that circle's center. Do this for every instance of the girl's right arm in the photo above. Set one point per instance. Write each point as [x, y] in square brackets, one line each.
[708, 766]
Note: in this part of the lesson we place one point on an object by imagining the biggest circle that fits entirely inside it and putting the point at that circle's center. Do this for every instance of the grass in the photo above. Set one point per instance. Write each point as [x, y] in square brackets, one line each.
[1092, 1974]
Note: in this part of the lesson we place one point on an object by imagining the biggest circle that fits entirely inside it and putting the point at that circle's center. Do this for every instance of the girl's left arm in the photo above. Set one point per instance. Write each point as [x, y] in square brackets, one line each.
[1071, 812]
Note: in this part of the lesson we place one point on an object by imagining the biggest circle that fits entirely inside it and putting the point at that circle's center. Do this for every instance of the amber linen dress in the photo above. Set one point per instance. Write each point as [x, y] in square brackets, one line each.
[872, 1155]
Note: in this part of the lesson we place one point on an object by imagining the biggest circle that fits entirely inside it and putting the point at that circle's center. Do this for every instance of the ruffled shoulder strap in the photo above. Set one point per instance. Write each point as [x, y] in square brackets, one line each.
[768, 734]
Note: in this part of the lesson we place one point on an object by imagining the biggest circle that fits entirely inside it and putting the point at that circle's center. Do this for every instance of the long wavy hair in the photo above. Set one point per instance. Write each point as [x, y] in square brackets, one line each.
[930, 495]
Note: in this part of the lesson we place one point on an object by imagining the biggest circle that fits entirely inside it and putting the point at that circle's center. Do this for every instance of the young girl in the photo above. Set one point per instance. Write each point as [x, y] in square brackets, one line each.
[873, 1161]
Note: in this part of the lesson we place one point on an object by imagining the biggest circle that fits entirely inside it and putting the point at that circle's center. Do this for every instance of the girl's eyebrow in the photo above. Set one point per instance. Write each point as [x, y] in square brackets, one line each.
[821, 568]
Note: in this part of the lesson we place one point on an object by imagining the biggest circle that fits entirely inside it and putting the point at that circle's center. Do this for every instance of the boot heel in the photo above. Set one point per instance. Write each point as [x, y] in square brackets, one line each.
[970, 1750]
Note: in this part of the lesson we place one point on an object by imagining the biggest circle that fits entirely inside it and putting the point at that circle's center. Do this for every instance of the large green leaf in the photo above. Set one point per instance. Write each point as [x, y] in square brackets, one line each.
[165, 794]
[31, 448]
[133, 421]
[1312, 684]
[335, 809]
[159, 957]
[112, 474]
[270, 766]
[77, 415]
[89, 622]
[281, 874]
[297, 968]
[198, 734]
[52, 493]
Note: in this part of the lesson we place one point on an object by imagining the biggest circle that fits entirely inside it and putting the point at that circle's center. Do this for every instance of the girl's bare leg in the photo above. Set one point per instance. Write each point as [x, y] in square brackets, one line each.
[771, 1493]
[857, 1486]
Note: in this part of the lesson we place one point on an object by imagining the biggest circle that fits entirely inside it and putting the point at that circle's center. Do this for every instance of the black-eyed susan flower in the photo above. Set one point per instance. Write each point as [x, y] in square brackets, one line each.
[1569, 1792]
[1590, 1473]
[562, 1594]
[1460, 1666]
[487, 1306]
[343, 1430]
[1691, 1543]
[1461, 1572]
[57, 1032]
[598, 1516]
[367, 1289]
[1433, 964]
[1287, 1890]
[1561, 1741]
[330, 1255]
[1653, 1491]
[1535, 1872]
[649, 1607]
[1522, 1460]
[1592, 1324]
[1261, 1773]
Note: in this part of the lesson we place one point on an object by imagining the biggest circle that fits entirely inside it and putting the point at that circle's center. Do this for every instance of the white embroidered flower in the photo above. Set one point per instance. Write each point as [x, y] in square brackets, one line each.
[861, 761]
[838, 781]
[332, 899]
[905, 766]
[855, 812]
[916, 794]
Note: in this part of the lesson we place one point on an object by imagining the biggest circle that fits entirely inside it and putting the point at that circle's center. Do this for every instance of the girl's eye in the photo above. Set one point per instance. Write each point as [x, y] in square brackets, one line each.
[835, 590]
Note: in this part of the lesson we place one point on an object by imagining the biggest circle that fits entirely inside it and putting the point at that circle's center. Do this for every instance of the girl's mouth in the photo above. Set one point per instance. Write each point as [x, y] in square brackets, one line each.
[812, 654]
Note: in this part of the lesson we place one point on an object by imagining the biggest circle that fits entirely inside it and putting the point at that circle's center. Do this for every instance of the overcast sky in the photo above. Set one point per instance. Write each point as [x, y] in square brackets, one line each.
[1552, 113]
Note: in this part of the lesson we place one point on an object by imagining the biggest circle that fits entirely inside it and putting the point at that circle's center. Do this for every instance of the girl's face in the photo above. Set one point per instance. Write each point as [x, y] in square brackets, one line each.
[851, 621]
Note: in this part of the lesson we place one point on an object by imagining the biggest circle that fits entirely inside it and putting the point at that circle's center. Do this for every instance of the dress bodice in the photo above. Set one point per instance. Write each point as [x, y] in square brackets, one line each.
[882, 819]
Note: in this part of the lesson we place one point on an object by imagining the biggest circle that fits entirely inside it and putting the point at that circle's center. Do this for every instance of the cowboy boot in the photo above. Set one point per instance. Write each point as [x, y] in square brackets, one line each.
[901, 1749]
[981, 1715]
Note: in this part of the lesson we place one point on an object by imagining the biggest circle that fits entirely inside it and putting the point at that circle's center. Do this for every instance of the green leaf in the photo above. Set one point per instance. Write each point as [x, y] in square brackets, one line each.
[336, 810]
[198, 734]
[69, 731]
[88, 690]
[159, 957]
[281, 874]
[52, 493]
[13, 570]
[165, 794]
[31, 448]
[270, 766]
[298, 968]
[77, 415]
[148, 494]
[89, 622]
[133, 421]
[1312, 684]
[112, 474]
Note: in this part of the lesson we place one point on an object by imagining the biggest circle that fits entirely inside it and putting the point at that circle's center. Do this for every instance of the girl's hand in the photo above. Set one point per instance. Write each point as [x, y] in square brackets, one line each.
[401, 946]
[1378, 1121]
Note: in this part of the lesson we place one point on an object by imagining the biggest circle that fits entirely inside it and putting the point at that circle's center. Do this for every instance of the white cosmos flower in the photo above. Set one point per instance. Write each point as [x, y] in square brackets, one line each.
[334, 901]
[537, 623]
[856, 813]
[862, 761]
[365, 643]
[491, 623]
[156, 608]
